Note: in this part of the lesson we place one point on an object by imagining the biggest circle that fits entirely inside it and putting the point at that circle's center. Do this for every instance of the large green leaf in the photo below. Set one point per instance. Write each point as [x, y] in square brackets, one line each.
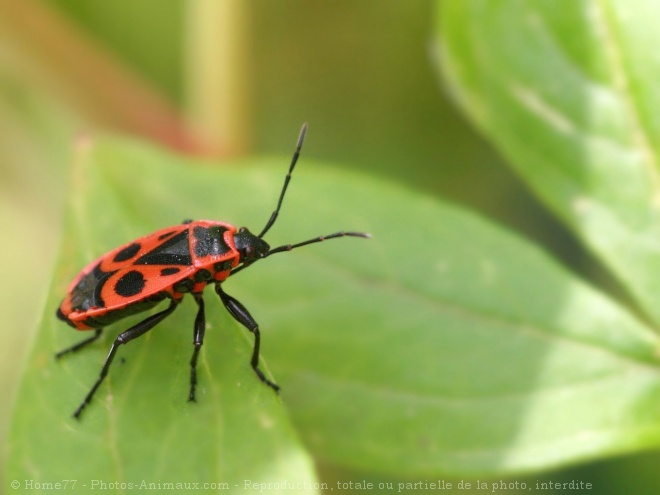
[463, 349]
[442, 345]
[568, 91]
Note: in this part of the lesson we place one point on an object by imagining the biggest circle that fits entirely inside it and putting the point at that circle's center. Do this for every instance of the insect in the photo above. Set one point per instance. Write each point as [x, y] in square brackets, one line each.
[168, 264]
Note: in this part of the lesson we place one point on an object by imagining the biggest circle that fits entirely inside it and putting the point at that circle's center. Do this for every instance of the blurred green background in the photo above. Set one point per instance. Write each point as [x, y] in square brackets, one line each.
[225, 78]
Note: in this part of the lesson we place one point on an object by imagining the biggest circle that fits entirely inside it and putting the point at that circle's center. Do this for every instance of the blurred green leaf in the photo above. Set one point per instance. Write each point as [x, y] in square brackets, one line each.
[568, 92]
[442, 345]
[146, 34]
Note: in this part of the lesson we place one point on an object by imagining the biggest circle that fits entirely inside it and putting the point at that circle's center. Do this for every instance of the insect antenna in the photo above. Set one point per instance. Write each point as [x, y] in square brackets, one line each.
[321, 238]
[289, 247]
[287, 179]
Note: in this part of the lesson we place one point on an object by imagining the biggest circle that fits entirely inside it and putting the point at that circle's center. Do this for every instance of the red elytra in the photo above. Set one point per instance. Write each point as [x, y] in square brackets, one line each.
[168, 264]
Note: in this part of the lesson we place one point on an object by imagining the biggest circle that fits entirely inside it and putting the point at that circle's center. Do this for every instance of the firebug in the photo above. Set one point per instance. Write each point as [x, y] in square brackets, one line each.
[167, 264]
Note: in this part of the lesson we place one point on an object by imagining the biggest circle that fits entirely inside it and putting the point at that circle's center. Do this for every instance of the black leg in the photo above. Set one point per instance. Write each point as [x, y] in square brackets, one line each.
[124, 337]
[242, 315]
[198, 340]
[80, 345]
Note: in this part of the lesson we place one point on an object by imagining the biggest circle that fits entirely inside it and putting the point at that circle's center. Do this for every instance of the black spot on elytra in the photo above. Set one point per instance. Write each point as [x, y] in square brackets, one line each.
[170, 271]
[130, 284]
[127, 253]
[174, 251]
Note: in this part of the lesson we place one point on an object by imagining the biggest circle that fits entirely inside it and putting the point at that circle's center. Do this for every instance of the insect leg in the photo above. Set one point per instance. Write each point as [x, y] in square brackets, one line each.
[198, 340]
[123, 338]
[242, 315]
[80, 345]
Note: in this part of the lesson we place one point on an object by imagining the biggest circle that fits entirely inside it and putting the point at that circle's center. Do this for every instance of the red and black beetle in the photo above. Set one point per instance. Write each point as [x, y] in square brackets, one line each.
[168, 264]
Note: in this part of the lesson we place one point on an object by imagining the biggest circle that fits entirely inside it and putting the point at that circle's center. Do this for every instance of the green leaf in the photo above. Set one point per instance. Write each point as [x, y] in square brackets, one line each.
[462, 349]
[442, 345]
[568, 92]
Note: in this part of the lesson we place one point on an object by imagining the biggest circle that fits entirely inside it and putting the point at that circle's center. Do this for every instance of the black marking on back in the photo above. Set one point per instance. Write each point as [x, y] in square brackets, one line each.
[136, 306]
[166, 235]
[127, 253]
[210, 240]
[170, 271]
[87, 292]
[130, 284]
[174, 251]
